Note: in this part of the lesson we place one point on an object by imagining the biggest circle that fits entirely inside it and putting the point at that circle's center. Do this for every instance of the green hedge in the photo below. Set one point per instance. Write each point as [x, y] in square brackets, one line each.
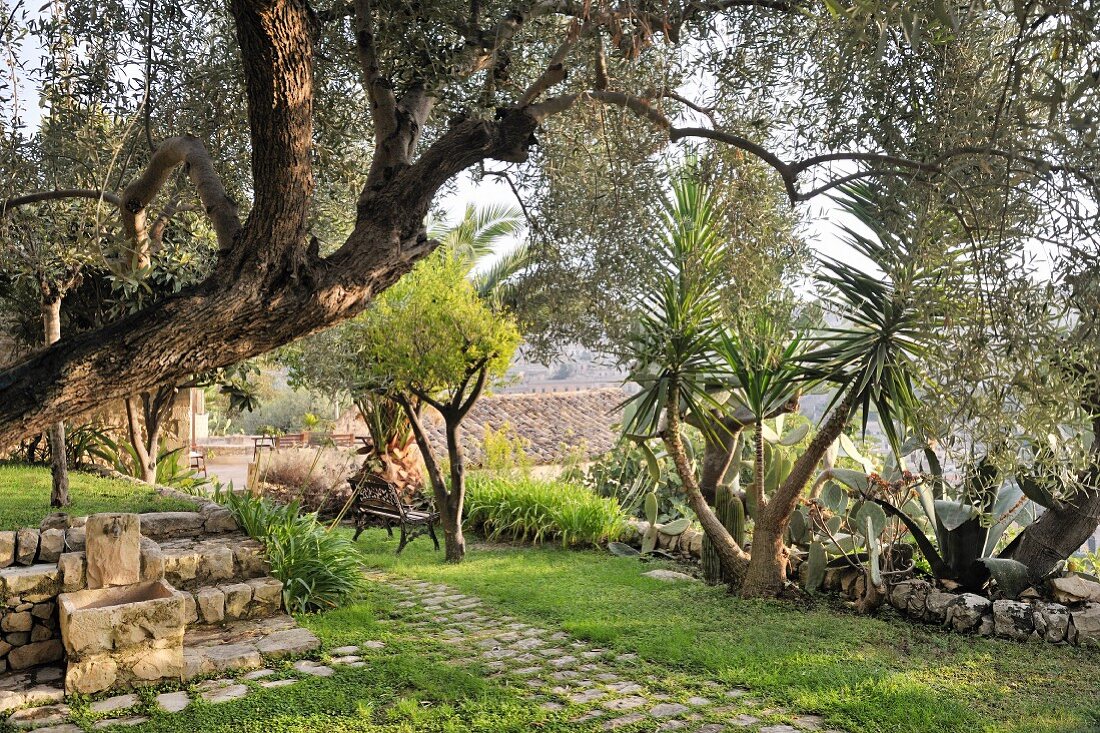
[535, 510]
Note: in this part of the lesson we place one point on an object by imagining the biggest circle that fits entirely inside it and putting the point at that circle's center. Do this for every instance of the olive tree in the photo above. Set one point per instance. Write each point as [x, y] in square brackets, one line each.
[285, 100]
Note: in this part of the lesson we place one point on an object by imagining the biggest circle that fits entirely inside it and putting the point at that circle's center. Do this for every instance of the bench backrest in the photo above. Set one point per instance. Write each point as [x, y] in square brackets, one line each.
[374, 493]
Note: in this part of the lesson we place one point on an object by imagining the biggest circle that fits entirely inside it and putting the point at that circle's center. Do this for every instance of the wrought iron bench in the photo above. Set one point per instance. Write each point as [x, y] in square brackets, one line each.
[377, 501]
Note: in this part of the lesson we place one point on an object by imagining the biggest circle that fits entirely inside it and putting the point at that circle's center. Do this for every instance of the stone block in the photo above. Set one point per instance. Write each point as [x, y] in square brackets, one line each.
[249, 559]
[30, 584]
[42, 633]
[7, 549]
[195, 664]
[166, 525]
[1051, 622]
[211, 602]
[26, 546]
[218, 520]
[190, 608]
[233, 656]
[55, 520]
[152, 560]
[1075, 589]
[936, 605]
[1086, 626]
[267, 597]
[17, 622]
[74, 539]
[180, 566]
[51, 544]
[288, 643]
[44, 610]
[1013, 620]
[33, 655]
[113, 550]
[217, 563]
[237, 598]
[71, 567]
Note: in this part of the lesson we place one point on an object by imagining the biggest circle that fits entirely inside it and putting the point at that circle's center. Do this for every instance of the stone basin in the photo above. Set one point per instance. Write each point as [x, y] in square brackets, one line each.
[122, 637]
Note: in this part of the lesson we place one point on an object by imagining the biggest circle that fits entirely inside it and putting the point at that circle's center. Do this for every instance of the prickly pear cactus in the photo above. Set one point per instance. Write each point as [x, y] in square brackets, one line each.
[649, 539]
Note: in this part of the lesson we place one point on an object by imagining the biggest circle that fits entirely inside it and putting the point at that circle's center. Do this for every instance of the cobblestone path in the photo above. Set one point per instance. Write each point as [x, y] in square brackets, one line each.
[593, 687]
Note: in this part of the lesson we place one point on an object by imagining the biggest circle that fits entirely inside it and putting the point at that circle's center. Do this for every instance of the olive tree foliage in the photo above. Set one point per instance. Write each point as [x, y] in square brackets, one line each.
[332, 128]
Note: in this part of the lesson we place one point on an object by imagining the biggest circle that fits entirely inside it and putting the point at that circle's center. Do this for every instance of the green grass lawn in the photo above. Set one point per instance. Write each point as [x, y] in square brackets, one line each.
[866, 675]
[25, 496]
[862, 673]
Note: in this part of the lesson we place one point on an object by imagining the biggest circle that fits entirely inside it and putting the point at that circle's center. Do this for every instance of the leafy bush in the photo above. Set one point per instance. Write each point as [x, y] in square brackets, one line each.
[535, 510]
[320, 568]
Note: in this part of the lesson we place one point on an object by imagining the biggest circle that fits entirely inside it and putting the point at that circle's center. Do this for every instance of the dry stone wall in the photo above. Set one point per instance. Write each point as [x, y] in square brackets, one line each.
[191, 550]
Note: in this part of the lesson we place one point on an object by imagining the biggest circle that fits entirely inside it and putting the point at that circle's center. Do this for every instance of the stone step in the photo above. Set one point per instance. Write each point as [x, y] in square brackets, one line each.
[191, 564]
[243, 645]
[254, 598]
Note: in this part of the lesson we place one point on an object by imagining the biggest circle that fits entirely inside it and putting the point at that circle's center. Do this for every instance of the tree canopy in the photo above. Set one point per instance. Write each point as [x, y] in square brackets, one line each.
[332, 129]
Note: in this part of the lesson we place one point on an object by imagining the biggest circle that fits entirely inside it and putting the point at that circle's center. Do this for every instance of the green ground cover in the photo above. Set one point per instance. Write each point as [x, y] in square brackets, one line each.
[866, 675]
[863, 673]
[25, 496]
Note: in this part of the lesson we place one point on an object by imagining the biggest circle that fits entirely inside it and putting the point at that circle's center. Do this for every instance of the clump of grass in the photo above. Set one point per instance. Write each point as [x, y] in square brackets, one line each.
[538, 510]
[320, 568]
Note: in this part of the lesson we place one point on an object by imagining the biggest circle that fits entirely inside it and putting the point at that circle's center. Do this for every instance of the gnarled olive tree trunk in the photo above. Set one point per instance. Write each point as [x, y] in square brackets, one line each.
[270, 285]
[1062, 530]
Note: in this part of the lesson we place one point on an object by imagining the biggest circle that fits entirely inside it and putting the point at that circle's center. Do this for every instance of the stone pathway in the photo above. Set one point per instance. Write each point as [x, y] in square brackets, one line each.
[595, 688]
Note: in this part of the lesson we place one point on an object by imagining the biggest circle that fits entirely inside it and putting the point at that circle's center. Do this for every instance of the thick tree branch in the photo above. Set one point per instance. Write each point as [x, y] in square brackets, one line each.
[172, 152]
[379, 88]
[276, 40]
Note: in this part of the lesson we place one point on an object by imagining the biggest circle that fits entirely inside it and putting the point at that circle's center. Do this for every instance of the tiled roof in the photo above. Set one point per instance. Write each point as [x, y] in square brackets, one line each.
[554, 425]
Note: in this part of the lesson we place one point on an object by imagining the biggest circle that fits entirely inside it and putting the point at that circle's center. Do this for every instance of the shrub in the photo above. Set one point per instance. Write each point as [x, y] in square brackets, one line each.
[314, 477]
[535, 510]
[320, 569]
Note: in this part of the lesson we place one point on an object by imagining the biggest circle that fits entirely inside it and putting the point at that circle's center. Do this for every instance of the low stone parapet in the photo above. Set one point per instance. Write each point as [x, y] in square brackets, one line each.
[969, 613]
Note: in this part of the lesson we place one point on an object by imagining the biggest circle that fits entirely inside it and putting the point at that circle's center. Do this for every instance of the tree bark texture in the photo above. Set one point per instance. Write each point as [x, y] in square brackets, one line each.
[732, 557]
[766, 575]
[59, 462]
[453, 540]
[1061, 531]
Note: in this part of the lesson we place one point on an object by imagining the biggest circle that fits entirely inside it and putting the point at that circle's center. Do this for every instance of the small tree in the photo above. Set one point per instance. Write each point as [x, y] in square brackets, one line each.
[435, 340]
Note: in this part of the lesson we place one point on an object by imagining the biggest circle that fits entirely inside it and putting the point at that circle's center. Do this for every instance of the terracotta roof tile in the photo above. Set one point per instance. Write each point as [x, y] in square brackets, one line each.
[554, 425]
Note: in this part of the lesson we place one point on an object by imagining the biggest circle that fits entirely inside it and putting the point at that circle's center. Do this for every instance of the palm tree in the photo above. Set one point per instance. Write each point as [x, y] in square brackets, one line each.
[685, 354]
[873, 359]
[477, 239]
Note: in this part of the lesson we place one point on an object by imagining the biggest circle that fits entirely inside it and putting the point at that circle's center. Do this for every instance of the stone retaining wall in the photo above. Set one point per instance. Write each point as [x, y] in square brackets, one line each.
[36, 565]
[1035, 620]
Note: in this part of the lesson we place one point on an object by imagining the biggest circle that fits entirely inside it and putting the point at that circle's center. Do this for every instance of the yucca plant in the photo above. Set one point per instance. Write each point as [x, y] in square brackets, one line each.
[675, 345]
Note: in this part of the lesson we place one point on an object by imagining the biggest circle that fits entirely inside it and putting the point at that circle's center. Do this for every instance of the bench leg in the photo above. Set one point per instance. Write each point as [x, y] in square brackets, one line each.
[431, 533]
[404, 541]
[358, 531]
[389, 529]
